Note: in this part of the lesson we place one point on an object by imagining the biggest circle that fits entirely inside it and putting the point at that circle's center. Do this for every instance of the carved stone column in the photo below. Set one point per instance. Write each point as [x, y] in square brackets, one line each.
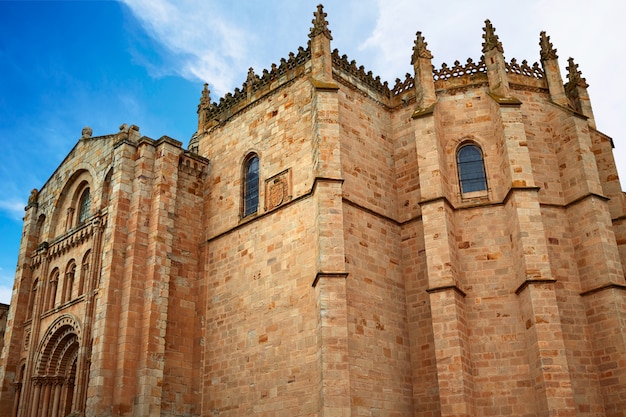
[34, 405]
[56, 397]
[45, 403]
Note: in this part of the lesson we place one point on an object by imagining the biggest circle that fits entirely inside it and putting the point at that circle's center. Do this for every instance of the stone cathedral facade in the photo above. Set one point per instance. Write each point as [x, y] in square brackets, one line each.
[330, 245]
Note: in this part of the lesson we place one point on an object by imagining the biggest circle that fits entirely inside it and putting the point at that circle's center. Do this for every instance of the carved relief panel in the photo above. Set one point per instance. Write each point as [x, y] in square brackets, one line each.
[278, 190]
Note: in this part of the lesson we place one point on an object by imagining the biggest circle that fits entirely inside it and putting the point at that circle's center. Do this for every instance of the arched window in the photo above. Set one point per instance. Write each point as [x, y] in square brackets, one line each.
[84, 206]
[106, 188]
[68, 284]
[471, 167]
[40, 222]
[52, 289]
[251, 185]
[32, 299]
[84, 274]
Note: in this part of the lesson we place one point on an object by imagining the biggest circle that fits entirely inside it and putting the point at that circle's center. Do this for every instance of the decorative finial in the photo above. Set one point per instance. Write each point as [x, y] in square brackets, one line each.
[320, 25]
[420, 49]
[574, 76]
[547, 50]
[251, 76]
[491, 39]
[87, 132]
[205, 100]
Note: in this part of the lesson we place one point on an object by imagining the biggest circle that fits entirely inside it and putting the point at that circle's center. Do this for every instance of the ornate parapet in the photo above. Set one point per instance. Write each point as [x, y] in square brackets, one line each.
[358, 75]
[257, 86]
[520, 75]
[193, 165]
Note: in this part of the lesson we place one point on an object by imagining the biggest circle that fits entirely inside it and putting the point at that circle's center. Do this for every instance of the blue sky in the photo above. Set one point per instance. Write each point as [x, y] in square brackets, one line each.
[70, 64]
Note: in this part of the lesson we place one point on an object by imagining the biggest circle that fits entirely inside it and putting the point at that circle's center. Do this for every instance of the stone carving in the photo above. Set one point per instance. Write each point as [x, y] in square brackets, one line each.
[491, 39]
[524, 69]
[32, 198]
[277, 190]
[420, 49]
[87, 132]
[547, 51]
[320, 25]
[574, 76]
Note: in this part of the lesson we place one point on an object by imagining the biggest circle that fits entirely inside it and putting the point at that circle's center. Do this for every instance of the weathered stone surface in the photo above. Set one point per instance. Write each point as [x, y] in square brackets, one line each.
[365, 284]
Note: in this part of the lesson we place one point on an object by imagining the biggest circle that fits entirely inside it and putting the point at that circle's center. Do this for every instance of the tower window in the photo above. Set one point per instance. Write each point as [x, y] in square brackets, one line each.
[471, 167]
[84, 206]
[251, 185]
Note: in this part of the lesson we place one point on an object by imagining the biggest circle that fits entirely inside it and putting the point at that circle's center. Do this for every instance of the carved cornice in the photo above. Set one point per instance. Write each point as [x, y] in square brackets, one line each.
[255, 88]
[528, 282]
[609, 286]
[64, 243]
[319, 275]
[445, 288]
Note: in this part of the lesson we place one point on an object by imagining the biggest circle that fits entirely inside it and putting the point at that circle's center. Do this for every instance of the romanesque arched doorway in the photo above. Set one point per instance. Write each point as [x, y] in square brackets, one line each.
[54, 375]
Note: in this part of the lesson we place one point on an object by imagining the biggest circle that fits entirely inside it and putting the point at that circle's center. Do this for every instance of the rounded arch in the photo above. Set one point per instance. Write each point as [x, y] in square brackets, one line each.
[53, 283]
[66, 207]
[55, 366]
[470, 163]
[32, 299]
[84, 272]
[41, 221]
[83, 204]
[58, 347]
[21, 371]
[68, 280]
[106, 188]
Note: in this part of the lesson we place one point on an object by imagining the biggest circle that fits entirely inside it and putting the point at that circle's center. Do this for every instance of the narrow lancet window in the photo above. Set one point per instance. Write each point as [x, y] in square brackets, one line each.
[251, 185]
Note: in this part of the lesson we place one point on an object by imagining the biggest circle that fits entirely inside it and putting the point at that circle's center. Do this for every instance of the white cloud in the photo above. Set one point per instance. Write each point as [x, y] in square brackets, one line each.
[589, 34]
[14, 207]
[5, 294]
[218, 41]
[5, 290]
[206, 44]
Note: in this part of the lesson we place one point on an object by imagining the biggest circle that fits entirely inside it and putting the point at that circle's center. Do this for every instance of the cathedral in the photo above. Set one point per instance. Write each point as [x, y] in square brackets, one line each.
[328, 244]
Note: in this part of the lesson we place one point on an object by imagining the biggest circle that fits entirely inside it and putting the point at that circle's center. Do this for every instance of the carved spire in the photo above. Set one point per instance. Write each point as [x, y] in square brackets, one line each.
[320, 25]
[420, 49]
[203, 108]
[574, 76]
[547, 50]
[577, 94]
[205, 100]
[495, 65]
[550, 64]
[424, 83]
[491, 39]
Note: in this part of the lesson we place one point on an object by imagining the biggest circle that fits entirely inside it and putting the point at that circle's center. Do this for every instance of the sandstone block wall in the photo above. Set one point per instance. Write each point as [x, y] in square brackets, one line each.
[366, 283]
